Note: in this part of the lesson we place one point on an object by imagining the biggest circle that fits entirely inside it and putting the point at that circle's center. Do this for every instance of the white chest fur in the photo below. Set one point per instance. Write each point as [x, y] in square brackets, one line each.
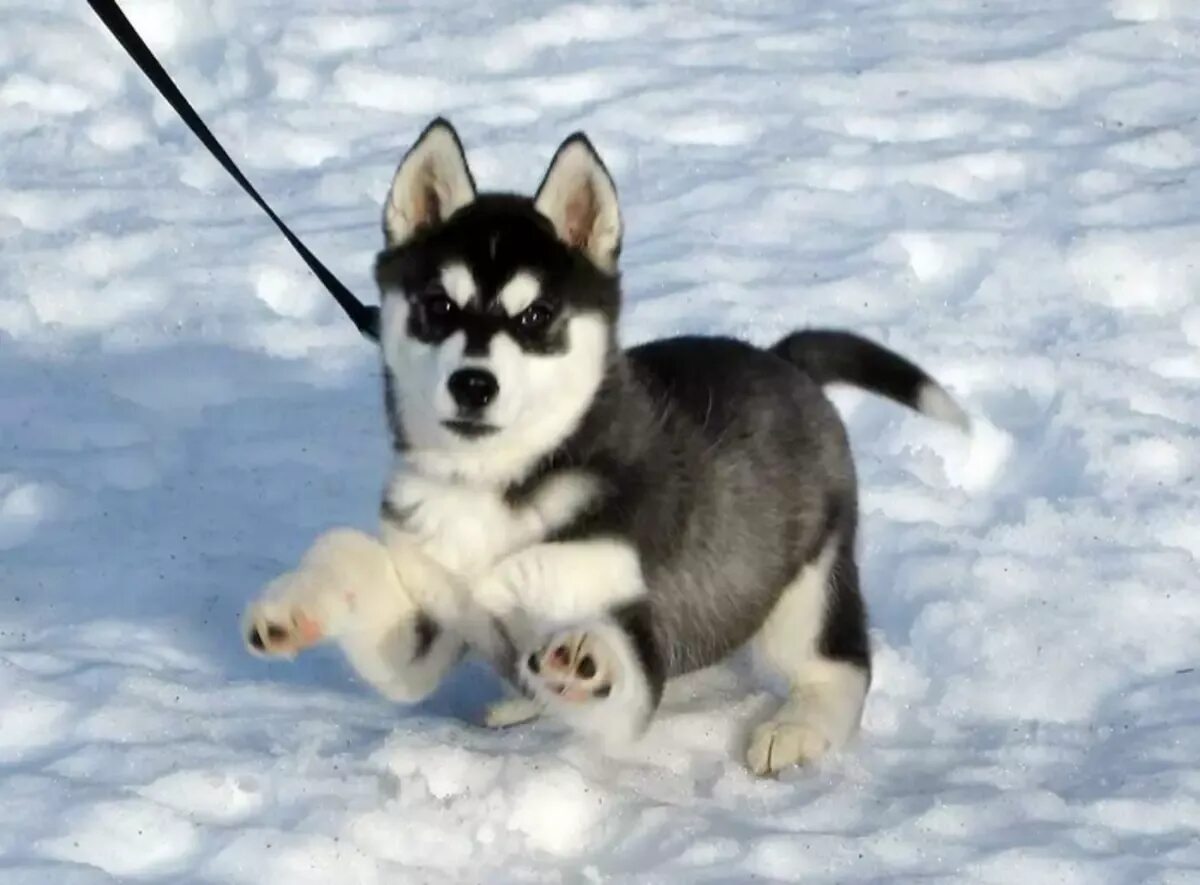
[468, 528]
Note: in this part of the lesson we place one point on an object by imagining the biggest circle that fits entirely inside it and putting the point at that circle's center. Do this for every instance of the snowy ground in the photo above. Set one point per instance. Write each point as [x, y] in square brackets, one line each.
[1009, 192]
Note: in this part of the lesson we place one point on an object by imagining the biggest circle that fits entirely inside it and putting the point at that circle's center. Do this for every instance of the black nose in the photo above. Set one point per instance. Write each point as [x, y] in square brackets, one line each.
[473, 388]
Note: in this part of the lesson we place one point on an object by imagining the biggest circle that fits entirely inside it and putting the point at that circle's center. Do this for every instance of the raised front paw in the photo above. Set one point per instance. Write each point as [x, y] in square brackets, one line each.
[279, 629]
[575, 666]
[343, 570]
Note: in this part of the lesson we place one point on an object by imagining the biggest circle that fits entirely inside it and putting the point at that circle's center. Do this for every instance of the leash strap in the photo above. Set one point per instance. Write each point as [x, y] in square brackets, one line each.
[365, 317]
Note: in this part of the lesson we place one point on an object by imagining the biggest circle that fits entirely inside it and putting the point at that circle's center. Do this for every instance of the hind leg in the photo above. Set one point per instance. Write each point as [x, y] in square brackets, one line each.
[816, 639]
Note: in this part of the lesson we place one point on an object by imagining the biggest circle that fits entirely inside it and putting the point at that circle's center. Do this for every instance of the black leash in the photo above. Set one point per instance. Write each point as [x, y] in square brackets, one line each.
[365, 317]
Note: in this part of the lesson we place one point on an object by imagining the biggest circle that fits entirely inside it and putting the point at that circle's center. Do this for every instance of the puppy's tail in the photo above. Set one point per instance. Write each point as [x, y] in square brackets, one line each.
[830, 357]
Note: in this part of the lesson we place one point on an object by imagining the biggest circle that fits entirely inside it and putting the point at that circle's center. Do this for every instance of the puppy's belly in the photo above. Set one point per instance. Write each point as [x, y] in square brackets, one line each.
[700, 623]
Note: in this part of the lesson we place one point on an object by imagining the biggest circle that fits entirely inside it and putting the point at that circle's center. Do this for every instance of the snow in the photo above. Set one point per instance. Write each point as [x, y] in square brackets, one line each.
[1007, 192]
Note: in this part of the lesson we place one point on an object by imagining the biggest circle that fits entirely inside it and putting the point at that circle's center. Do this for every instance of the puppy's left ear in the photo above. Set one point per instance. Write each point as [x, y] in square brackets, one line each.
[579, 198]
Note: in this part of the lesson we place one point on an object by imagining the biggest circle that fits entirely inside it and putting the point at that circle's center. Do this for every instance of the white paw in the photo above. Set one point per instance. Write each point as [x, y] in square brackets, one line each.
[512, 711]
[776, 745]
[575, 666]
[297, 611]
[279, 630]
[344, 575]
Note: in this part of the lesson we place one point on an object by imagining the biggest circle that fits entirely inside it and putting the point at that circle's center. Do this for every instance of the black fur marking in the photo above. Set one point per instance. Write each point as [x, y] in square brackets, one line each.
[392, 409]
[519, 494]
[844, 633]
[586, 668]
[529, 244]
[478, 331]
[398, 516]
[833, 520]
[636, 620]
[427, 631]
[830, 357]
[507, 658]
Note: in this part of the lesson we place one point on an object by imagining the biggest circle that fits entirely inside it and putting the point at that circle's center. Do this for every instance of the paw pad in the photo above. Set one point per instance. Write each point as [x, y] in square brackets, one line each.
[574, 666]
[275, 636]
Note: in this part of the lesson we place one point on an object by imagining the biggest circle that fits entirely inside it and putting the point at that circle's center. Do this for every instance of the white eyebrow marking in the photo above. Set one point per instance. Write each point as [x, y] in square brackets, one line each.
[458, 283]
[519, 292]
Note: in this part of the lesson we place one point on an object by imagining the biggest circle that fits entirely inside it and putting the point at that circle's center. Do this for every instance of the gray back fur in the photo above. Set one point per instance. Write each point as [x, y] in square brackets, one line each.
[727, 468]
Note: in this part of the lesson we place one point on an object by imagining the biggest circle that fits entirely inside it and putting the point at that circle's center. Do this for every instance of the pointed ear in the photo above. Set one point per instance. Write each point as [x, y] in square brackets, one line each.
[579, 198]
[432, 182]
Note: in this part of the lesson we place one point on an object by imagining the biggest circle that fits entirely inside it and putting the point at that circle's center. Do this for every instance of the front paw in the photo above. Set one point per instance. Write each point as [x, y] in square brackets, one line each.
[575, 666]
[296, 611]
[318, 600]
[280, 630]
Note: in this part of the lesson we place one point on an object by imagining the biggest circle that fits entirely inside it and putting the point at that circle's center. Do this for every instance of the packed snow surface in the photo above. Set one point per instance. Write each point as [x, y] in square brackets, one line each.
[1008, 192]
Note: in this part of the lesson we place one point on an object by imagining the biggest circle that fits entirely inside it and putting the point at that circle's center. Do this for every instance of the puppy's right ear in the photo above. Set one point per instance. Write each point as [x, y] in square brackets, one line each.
[432, 182]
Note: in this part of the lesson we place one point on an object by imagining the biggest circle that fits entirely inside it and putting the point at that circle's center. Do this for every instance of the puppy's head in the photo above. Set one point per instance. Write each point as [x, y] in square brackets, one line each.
[498, 310]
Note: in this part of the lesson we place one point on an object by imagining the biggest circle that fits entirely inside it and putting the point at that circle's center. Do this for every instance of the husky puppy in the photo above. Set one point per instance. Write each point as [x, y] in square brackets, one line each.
[593, 520]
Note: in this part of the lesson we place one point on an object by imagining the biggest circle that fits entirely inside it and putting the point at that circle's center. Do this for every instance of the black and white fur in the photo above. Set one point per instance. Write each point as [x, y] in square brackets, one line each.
[593, 520]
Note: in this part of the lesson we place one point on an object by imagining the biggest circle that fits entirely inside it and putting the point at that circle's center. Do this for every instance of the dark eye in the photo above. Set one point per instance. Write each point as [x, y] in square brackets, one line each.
[535, 317]
[437, 303]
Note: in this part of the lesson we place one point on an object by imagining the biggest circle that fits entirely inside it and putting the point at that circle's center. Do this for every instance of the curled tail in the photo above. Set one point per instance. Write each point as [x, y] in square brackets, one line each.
[830, 357]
